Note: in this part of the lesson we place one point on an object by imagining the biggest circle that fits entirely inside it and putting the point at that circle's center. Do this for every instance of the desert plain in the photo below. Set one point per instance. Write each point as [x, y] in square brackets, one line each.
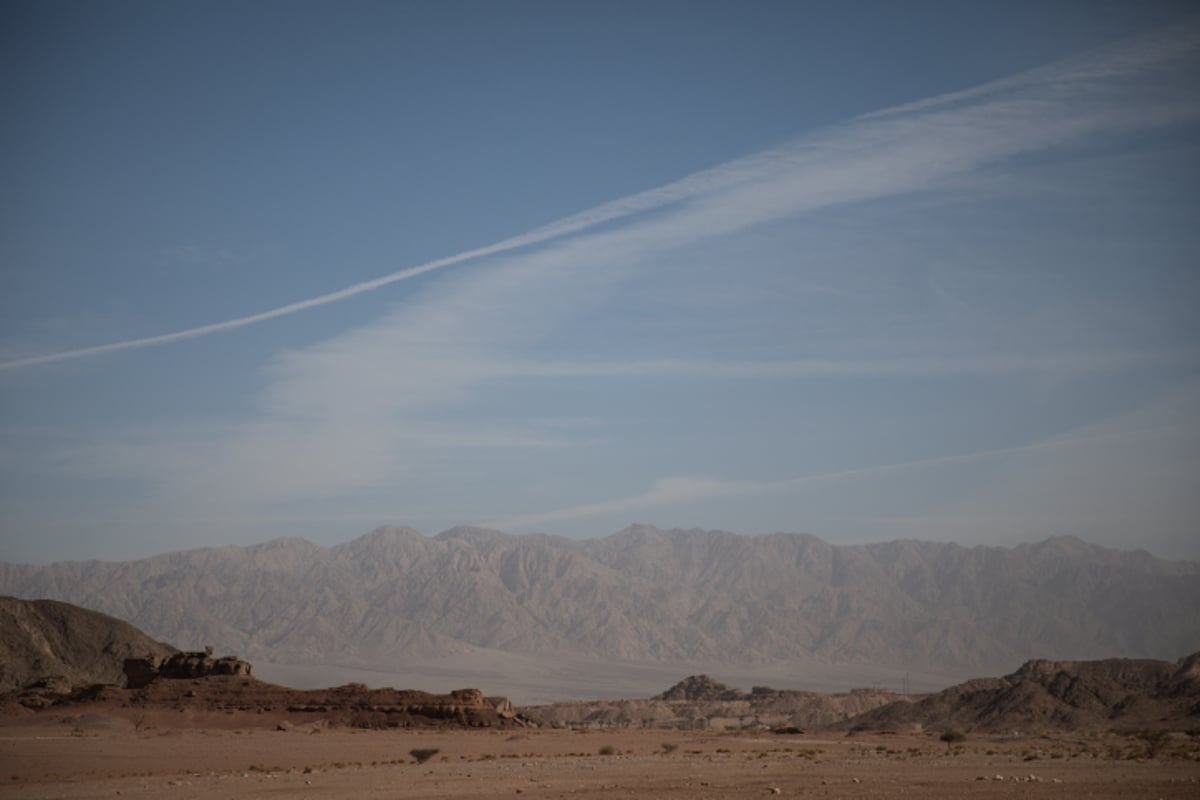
[97, 753]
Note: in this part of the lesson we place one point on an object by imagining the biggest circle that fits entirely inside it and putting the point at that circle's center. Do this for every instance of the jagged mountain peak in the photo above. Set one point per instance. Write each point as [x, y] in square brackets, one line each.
[691, 598]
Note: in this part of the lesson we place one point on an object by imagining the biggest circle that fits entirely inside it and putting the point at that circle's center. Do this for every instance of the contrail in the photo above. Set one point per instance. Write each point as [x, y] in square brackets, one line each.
[1067, 76]
[552, 231]
[722, 176]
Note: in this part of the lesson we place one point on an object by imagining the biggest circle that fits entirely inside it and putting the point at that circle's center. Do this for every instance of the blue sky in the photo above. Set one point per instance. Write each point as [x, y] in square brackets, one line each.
[861, 270]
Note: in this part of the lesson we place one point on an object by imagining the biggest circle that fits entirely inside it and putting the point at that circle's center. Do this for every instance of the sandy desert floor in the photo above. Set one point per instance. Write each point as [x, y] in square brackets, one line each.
[94, 755]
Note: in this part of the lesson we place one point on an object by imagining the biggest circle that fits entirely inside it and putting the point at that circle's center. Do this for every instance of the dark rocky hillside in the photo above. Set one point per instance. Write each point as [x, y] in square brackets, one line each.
[1118, 693]
[47, 640]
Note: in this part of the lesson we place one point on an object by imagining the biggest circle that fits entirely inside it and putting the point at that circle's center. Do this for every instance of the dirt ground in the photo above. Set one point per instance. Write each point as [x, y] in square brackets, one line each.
[91, 754]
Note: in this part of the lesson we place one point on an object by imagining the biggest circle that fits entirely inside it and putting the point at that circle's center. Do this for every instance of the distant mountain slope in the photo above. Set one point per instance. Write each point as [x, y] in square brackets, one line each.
[1069, 695]
[695, 597]
[42, 639]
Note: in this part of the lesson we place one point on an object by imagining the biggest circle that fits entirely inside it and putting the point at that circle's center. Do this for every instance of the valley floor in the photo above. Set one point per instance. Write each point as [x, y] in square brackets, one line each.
[93, 756]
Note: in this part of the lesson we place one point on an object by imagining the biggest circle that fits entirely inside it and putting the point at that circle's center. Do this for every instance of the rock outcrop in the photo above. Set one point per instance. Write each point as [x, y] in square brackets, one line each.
[140, 672]
[351, 705]
[200, 665]
[701, 687]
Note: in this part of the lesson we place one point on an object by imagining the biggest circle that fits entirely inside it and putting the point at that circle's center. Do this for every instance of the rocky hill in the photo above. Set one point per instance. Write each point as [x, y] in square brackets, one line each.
[478, 602]
[51, 641]
[1067, 695]
[699, 702]
[700, 688]
[1121, 693]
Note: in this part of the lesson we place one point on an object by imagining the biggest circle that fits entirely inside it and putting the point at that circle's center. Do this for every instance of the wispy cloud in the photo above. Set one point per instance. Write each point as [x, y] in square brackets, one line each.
[1057, 363]
[664, 491]
[677, 489]
[1132, 58]
[898, 150]
[361, 412]
[1127, 481]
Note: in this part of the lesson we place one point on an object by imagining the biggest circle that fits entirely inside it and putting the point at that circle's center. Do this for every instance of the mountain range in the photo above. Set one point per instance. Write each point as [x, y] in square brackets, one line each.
[542, 617]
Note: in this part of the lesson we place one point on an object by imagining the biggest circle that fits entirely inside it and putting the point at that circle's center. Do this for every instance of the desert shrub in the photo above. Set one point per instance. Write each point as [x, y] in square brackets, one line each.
[1154, 741]
[669, 747]
[423, 754]
[608, 750]
[952, 737]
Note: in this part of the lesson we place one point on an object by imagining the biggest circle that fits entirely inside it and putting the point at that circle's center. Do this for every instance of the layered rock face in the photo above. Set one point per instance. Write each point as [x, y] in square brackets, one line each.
[140, 672]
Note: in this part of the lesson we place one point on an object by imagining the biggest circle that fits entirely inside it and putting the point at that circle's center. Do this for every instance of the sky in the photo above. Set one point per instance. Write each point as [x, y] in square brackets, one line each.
[862, 270]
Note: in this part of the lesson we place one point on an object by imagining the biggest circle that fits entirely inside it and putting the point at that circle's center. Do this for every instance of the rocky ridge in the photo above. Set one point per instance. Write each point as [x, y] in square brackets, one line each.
[1064, 695]
[699, 702]
[1043, 695]
[646, 596]
[56, 656]
[255, 703]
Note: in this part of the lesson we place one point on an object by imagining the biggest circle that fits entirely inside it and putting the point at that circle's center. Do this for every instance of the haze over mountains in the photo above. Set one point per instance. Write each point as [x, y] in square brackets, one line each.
[544, 617]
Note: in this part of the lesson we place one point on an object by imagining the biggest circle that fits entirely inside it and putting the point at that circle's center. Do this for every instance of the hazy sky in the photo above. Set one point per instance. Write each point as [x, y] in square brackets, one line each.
[868, 271]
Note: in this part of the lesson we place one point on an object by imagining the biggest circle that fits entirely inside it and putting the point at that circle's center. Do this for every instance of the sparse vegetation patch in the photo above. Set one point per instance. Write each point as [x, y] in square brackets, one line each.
[423, 754]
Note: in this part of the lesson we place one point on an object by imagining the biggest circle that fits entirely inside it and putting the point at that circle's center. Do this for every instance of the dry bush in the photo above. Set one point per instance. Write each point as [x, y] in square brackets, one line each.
[423, 754]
